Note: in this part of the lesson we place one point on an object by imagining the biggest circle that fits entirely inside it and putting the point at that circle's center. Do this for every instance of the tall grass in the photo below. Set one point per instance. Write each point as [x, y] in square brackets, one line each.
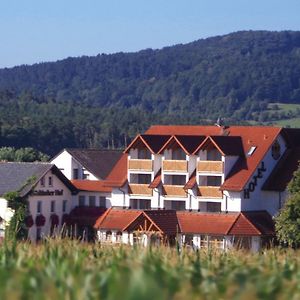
[69, 269]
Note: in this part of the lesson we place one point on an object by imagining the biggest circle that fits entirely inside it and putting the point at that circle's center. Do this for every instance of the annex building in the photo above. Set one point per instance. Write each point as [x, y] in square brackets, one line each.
[196, 185]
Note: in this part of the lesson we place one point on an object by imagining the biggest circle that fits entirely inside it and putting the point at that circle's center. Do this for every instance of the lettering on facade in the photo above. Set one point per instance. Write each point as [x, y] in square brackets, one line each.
[253, 183]
[48, 193]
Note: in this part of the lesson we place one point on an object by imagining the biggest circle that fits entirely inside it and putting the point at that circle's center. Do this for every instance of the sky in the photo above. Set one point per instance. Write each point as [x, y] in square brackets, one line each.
[34, 31]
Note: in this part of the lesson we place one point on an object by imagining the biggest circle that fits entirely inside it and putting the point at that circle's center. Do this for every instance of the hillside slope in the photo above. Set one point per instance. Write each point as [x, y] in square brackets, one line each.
[103, 98]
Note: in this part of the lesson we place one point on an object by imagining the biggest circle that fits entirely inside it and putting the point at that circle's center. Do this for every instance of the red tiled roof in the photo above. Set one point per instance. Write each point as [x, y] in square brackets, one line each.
[166, 220]
[262, 221]
[156, 181]
[259, 136]
[91, 185]
[85, 215]
[244, 224]
[152, 142]
[118, 176]
[171, 222]
[282, 174]
[116, 219]
[227, 145]
[253, 223]
[188, 143]
[192, 181]
[205, 223]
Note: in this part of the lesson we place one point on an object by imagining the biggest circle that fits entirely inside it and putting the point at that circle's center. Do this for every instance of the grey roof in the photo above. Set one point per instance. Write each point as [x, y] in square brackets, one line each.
[98, 162]
[15, 175]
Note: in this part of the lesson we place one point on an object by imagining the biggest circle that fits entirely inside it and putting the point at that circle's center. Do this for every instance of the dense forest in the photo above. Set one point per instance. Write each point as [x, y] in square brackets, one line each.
[103, 101]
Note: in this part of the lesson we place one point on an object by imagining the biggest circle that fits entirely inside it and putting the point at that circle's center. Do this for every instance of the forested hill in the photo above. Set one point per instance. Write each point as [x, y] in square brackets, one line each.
[104, 100]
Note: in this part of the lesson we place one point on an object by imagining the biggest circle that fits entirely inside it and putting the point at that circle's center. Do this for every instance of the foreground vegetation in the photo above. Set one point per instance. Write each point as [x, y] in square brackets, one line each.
[74, 270]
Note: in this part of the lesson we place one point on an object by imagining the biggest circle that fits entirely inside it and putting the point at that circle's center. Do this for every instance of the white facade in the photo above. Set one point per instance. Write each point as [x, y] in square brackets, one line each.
[71, 168]
[48, 198]
[189, 199]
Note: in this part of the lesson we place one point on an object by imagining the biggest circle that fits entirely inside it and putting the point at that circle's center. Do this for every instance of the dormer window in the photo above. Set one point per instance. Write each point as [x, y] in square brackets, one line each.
[178, 154]
[144, 153]
[213, 154]
[251, 151]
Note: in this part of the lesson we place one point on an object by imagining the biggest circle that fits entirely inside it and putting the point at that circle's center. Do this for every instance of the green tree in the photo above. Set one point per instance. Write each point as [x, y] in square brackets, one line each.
[287, 223]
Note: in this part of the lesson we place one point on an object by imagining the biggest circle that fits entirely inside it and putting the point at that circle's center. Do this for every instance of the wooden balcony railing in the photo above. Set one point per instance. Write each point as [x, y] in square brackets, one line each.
[139, 189]
[174, 191]
[140, 164]
[210, 192]
[175, 165]
[210, 167]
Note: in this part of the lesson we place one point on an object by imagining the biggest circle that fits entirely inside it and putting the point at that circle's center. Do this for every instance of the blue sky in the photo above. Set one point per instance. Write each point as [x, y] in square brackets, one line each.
[33, 31]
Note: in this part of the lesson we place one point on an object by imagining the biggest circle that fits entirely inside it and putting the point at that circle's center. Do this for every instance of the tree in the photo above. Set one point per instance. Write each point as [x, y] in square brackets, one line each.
[287, 223]
[23, 154]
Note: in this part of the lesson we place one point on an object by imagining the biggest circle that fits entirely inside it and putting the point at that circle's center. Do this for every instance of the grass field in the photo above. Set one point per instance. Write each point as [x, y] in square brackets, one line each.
[279, 114]
[73, 270]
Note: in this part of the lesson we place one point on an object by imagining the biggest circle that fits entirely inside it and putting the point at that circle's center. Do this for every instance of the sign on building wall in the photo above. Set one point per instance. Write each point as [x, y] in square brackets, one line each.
[253, 183]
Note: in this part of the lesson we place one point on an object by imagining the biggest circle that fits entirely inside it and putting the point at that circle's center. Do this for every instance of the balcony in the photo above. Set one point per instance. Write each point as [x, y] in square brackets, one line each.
[140, 164]
[210, 167]
[209, 192]
[175, 166]
[174, 191]
[139, 189]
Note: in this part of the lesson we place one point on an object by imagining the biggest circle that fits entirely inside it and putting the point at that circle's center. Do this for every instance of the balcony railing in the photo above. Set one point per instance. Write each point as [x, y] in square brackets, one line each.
[210, 167]
[210, 192]
[139, 189]
[175, 165]
[174, 191]
[140, 164]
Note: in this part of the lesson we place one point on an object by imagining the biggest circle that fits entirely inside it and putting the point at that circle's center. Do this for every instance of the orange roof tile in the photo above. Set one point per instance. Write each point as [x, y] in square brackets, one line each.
[192, 181]
[152, 142]
[188, 143]
[205, 223]
[91, 185]
[156, 181]
[118, 175]
[116, 219]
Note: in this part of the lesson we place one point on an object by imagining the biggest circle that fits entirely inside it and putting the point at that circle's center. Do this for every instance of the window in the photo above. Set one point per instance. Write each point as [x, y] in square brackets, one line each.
[251, 150]
[42, 181]
[81, 201]
[144, 178]
[50, 182]
[108, 236]
[75, 174]
[119, 237]
[39, 207]
[64, 206]
[178, 180]
[178, 205]
[214, 155]
[140, 203]
[102, 201]
[52, 209]
[214, 180]
[178, 154]
[85, 176]
[38, 233]
[140, 178]
[144, 154]
[213, 206]
[92, 201]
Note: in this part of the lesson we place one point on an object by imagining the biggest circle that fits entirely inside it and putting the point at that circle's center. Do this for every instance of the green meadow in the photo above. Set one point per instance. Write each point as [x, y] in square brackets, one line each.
[68, 269]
